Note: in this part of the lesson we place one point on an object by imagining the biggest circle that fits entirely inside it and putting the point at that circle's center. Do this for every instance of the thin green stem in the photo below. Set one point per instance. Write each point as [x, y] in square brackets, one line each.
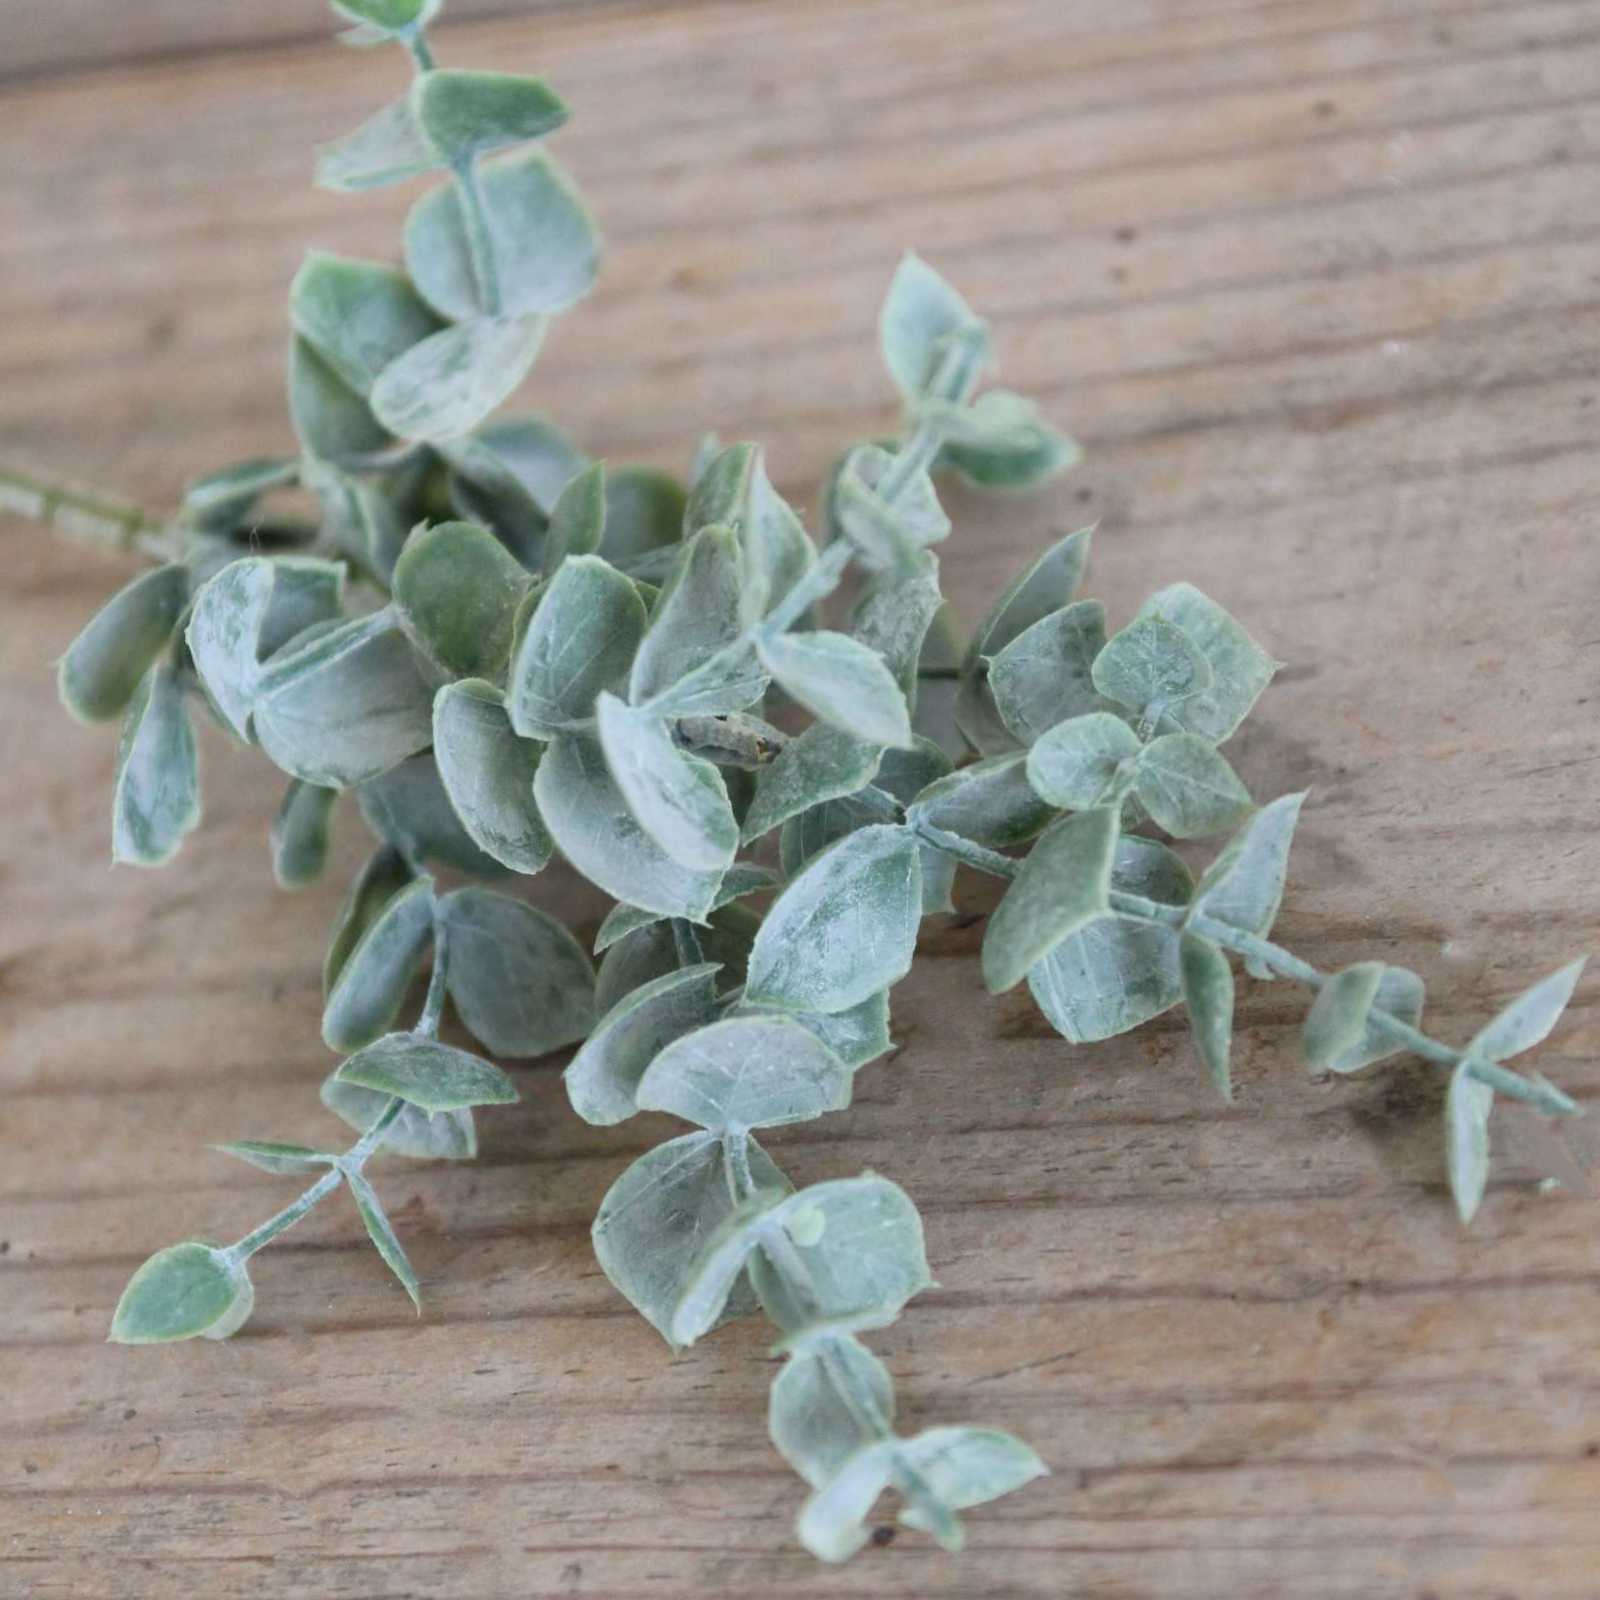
[87, 514]
[291, 1214]
[433, 1004]
[421, 51]
[1544, 1096]
[362, 1150]
[687, 942]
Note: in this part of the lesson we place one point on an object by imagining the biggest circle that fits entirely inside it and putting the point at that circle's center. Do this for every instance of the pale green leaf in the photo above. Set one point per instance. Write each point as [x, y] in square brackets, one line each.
[1063, 884]
[775, 549]
[366, 996]
[841, 682]
[746, 1072]
[383, 876]
[446, 385]
[1240, 669]
[392, 16]
[1001, 442]
[990, 802]
[447, 1136]
[331, 421]
[602, 1078]
[183, 1291]
[487, 771]
[387, 148]
[381, 1231]
[644, 513]
[679, 800]
[519, 980]
[578, 519]
[1337, 1021]
[845, 928]
[1118, 972]
[581, 641]
[543, 239]
[920, 315]
[1399, 993]
[813, 1413]
[856, 1036]
[832, 1522]
[358, 315]
[156, 795]
[1188, 788]
[220, 499]
[741, 879]
[1045, 586]
[300, 834]
[457, 589]
[887, 534]
[1467, 1108]
[1076, 762]
[104, 666]
[465, 114]
[1044, 676]
[346, 706]
[823, 763]
[408, 807]
[436, 1077]
[1149, 665]
[1530, 1017]
[1208, 993]
[961, 1467]
[721, 493]
[1244, 885]
[282, 1160]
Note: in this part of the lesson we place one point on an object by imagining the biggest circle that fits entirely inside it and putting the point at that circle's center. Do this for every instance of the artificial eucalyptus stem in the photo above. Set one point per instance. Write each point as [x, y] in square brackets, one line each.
[291, 1214]
[86, 514]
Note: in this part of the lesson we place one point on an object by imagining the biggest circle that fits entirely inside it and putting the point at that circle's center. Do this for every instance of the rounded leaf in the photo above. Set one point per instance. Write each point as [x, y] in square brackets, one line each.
[183, 1291]
[104, 666]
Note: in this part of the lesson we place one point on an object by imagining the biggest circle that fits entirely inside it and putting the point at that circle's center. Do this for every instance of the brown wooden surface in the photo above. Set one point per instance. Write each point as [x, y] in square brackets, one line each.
[1316, 281]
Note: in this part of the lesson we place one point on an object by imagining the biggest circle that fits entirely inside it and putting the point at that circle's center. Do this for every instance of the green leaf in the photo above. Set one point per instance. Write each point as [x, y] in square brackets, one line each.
[300, 834]
[448, 1136]
[920, 315]
[990, 802]
[578, 521]
[892, 618]
[282, 1160]
[602, 1078]
[510, 475]
[637, 957]
[1467, 1108]
[841, 682]
[696, 616]
[465, 114]
[1043, 587]
[1149, 665]
[1118, 972]
[775, 549]
[381, 1231]
[1529, 1018]
[1240, 668]
[1188, 788]
[156, 798]
[457, 590]
[856, 1036]
[358, 315]
[1337, 1021]
[184, 1290]
[859, 1248]
[1208, 993]
[832, 1524]
[331, 421]
[393, 16]
[346, 706]
[105, 665]
[746, 1072]
[1076, 762]
[845, 928]
[1399, 992]
[219, 500]
[408, 807]
[962, 1467]
[388, 147]
[1244, 885]
[580, 642]
[812, 1413]
[544, 242]
[1001, 442]
[822, 763]
[425, 1073]
[1045, 675]
[1064, 884]
[371, 984]
[679, 800]
[383, 876]
[887, 535]
[449, 383]
[721, 492]
[487, 771]
[644, 512]
[519, 980]
[595, 829]
[656, 1218]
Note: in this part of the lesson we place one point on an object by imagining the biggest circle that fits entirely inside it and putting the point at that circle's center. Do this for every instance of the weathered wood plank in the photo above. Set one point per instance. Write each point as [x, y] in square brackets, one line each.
[1315, 283]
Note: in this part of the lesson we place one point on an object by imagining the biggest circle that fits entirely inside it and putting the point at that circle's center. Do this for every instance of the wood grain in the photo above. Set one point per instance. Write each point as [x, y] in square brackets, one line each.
[1315, 281]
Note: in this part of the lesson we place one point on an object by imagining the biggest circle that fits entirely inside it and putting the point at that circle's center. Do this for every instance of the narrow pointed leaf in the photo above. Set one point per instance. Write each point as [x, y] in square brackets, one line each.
[1063, 885]
[1208, 993]
[383, 876]
[965, 1467]
[1005, 444]
[1467, 1108]
[920, 314]
[283, 1160]
[1049, 584]
[1530, 1017]
[381, 1231]
[387, 148]
[1244, 885]
[1400, 994]
[696, 616]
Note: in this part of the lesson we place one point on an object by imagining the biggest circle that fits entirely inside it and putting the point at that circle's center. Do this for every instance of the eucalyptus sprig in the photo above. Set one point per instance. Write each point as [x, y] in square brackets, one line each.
[508, 651]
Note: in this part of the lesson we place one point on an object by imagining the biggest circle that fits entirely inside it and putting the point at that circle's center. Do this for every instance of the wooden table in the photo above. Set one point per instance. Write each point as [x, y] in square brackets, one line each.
[1317, 284]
